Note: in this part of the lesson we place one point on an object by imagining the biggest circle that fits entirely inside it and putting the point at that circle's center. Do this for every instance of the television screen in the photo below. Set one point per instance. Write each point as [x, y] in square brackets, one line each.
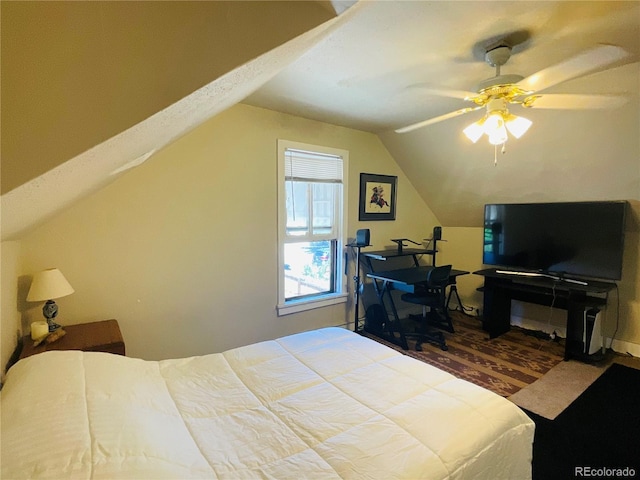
[579, 238]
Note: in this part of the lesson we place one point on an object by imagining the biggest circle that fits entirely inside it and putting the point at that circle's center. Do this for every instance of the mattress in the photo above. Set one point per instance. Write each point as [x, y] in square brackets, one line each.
[322, 404]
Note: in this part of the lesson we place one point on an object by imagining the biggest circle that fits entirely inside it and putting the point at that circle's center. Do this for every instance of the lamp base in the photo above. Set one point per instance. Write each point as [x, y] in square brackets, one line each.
[50, 311]
[53, 326]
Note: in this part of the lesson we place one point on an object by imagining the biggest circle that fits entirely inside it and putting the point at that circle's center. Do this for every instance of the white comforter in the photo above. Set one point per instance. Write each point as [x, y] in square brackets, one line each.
[318, 405]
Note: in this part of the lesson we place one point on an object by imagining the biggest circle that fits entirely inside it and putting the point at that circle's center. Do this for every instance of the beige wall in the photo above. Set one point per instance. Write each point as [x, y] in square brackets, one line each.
[10, 292]
[629, 293]
[182, 250]
[9, 314]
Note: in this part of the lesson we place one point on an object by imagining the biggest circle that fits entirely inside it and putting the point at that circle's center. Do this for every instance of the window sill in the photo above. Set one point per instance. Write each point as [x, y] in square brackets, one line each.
[296, 306]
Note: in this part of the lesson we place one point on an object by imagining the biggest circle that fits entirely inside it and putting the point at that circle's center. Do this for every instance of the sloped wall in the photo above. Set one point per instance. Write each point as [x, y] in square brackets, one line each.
[75, 74]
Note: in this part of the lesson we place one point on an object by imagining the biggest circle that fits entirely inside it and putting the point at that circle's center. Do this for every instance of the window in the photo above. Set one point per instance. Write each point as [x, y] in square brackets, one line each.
[311, 226]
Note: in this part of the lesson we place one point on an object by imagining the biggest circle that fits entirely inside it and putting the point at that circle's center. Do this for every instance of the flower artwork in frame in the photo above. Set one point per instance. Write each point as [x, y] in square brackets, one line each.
[377, 197]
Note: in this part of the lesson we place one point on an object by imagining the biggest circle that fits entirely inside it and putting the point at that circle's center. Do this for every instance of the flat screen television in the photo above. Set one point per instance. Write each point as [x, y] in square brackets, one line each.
[583, 239]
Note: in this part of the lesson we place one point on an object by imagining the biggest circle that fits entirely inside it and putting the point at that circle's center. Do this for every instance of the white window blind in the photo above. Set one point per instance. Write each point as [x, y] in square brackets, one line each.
[301, 166]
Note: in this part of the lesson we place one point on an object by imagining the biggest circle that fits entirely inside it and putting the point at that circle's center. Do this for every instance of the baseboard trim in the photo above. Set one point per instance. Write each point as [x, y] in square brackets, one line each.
[619, 346]
[623, 347]
[529, 324]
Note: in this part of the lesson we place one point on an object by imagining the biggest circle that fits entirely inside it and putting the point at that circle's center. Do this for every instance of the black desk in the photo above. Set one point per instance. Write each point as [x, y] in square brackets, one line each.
[375, 257]
[404, 279]
[415, 254]
[389, 254]
[499, 289]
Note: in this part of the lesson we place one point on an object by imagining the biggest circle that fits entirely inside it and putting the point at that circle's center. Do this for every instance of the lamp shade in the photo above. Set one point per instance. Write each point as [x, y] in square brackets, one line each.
[47, 285]
[475, 130]
[517, 126]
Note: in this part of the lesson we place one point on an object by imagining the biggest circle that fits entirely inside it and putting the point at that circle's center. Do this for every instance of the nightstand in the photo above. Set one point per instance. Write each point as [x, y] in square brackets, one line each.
[103, 336]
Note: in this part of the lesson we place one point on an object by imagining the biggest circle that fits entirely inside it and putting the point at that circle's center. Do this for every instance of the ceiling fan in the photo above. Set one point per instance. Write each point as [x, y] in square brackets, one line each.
[497, 93]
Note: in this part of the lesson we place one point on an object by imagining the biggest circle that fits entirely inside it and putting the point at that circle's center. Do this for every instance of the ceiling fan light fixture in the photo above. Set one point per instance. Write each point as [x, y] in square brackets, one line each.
[495, 125]
[475, 130]
[494, 128]
[517, 126]
[498, 137]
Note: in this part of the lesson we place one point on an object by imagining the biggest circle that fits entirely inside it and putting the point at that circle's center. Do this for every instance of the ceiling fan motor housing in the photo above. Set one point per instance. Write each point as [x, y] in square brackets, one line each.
[499, 85]
[498, 56]
[496, 104]
[499, 82]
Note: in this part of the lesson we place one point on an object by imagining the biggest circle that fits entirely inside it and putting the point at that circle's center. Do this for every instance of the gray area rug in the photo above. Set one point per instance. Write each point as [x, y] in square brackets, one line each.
[560, 386]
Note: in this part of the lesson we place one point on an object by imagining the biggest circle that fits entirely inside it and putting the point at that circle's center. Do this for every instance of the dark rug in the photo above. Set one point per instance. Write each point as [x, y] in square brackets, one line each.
[597, 436]
[503, 365]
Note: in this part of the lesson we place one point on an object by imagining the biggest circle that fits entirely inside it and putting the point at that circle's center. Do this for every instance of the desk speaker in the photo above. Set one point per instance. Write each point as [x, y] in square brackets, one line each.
[437, 233]
[363, 237]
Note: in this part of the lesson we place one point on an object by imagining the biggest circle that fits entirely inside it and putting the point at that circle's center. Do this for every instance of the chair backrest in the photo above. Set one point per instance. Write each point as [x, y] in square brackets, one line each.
[438, 277]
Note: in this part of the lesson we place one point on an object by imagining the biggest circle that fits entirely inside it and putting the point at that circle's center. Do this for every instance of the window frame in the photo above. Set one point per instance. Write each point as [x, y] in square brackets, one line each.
[286, 307]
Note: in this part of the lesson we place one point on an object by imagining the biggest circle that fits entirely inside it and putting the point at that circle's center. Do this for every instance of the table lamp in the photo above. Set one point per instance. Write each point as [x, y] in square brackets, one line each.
[47, 285]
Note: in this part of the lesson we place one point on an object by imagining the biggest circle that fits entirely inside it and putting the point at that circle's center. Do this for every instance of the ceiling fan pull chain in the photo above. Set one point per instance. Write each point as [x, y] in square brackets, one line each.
[495, 155]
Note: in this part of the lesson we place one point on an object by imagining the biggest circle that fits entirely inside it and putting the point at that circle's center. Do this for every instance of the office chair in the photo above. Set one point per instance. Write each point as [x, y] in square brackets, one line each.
[432, 294]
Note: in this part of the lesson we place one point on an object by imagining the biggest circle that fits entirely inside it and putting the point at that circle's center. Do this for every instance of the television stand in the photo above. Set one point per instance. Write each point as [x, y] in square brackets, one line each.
[500, 288]
[542, 275]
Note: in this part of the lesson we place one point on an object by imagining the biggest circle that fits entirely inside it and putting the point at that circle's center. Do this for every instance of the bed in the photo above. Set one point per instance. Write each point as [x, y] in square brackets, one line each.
[319, 405]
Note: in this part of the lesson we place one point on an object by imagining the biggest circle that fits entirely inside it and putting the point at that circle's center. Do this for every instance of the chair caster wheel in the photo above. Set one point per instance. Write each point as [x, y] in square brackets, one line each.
[444, 348]
[418, 347]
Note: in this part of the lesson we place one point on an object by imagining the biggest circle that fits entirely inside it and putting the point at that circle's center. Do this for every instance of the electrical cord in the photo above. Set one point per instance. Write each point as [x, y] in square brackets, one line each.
[542, 335]
[617, 314]
[551, 307]
[462, 309]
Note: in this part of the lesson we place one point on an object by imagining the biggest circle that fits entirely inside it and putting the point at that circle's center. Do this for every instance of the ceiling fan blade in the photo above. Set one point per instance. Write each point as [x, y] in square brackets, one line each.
[447, 92]
[576, 66]
[433, 120]
[576, 102]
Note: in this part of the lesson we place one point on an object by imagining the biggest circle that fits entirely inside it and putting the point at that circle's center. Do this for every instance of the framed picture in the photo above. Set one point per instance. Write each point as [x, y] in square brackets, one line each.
[377, 197]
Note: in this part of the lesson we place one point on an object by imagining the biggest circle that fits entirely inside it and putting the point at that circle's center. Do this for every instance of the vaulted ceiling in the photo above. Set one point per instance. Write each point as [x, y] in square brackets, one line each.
[378, 71]
[92, 88]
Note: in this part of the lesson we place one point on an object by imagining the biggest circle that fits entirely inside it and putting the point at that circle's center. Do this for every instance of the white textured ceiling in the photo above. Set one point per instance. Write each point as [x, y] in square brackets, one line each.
[370, 74]
[374, 71]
